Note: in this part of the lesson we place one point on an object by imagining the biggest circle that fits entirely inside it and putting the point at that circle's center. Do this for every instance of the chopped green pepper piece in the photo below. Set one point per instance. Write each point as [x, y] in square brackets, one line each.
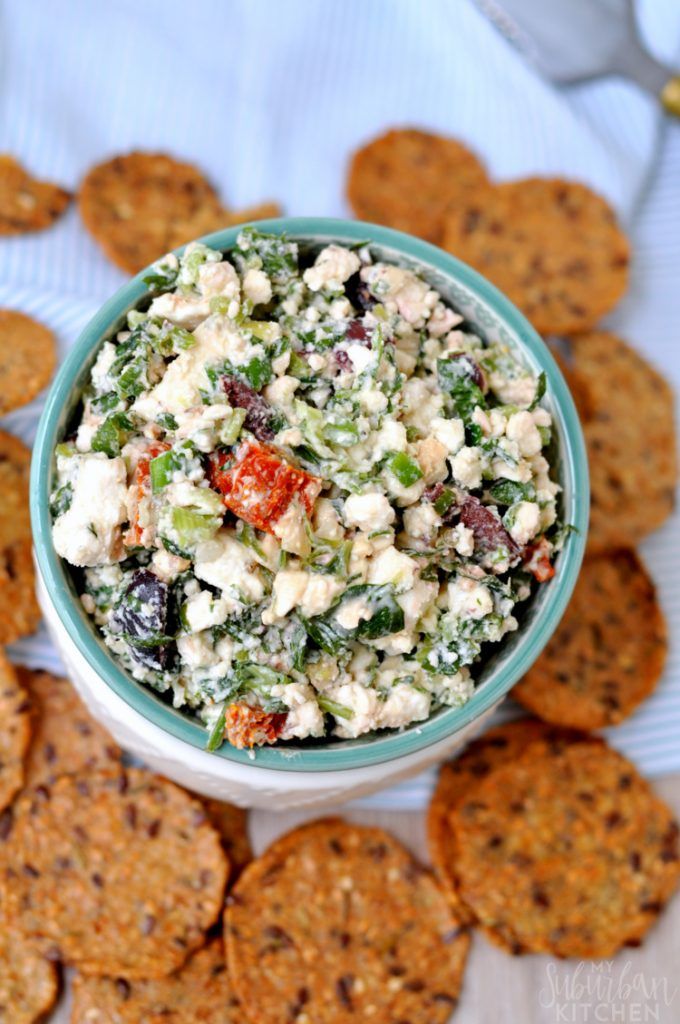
[406, 469]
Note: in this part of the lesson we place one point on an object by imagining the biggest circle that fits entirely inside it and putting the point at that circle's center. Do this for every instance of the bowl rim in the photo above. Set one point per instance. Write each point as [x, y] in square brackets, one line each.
[378, 747]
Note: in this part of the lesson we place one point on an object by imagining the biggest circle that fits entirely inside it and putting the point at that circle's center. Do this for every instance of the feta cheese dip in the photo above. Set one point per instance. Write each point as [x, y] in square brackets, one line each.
[303, 495]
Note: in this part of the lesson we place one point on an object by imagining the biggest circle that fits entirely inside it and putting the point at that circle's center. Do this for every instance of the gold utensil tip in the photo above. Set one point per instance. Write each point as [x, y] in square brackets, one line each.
[670, 95]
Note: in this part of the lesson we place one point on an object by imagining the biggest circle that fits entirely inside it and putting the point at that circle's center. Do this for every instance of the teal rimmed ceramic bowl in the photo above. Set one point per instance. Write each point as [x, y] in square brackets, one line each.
[495, 317]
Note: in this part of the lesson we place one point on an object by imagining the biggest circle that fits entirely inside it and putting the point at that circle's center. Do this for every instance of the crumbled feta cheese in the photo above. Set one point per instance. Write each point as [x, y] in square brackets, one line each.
[332, 267]
[421, 404]
[305, 717]
[257, 287]
[168, 566]
[352, 612]
[404, 704]
[415, 601]
[196, 651]
[361, 356]
[526, 522]
[89, 533]
[432, 459]
[421, 521]
[290, 529]
[515, 390]
[102, 365]
[312, 593]
[442, 320]
[463, 540]
[281, 391]
[218, 279]
[403, 495]
[393, 566]
[326, 522]
[186, 311]
[402, 290]
[368, 512]
[390, 438]
[204, 610]
[451, 433]
[225, 563]
[468, 599]
[522, 429]
[467, 468]
[364, 704]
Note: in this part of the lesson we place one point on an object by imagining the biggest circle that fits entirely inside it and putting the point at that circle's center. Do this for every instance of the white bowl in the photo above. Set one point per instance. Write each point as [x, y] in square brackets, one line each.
[304, 774]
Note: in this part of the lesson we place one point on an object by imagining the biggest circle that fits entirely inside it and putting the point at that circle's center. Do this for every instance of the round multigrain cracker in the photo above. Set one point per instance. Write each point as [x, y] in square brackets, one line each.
[28, 356]
[263, 211]
[199, 993]
[15, 469]
[141, 205]
[457, 780]
[409, 179]
[25, 203]
[28, 982]
[608, 651]
[566, 851]
[627, 412]
[15, 731]
[65, 737]
[19, 611]
[337, 923]
[232, 824]
[113, 872]
[553, 247]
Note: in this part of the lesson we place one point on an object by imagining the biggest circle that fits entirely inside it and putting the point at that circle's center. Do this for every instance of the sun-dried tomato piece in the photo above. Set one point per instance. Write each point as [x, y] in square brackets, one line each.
[247, 726]
[141, 496]
[258, 485]
[488, 530]
[537, 561]
[259, 413]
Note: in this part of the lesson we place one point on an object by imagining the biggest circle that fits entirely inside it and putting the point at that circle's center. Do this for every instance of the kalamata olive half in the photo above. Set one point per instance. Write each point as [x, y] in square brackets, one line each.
[260, 416]
[141, 616]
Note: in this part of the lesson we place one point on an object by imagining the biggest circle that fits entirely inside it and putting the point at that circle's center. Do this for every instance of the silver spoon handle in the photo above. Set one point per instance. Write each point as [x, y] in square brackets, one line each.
[636, 63]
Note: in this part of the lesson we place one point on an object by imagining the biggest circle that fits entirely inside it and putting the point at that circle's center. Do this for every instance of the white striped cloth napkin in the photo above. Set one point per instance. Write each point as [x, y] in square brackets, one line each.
[270, 99]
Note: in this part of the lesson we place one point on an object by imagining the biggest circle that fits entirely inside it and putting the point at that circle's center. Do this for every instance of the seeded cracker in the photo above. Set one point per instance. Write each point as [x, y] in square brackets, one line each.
[339, 924]
[15, 732]
[608, 652]
[566, 851]
[409, 179]
[199, 993]
[232, 824]
[65, 737]
[263, 211]
[553, 247]
[28, 982]
[15, 467]
[628, 421]
[19, 611]
[142, 205]
[27, 359]
[457, 781]
[25, 203]
[113, 872]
